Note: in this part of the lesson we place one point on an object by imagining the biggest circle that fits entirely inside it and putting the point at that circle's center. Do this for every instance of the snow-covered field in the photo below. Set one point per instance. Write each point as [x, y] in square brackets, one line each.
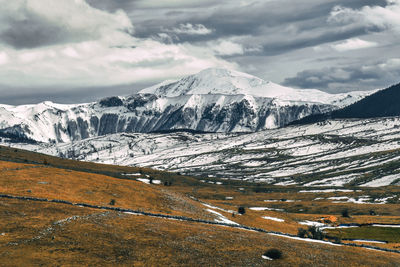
[333, 153]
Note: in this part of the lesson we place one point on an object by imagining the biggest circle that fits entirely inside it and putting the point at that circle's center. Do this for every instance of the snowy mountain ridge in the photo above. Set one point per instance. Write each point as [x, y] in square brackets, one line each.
[230, 82]
[213, 100]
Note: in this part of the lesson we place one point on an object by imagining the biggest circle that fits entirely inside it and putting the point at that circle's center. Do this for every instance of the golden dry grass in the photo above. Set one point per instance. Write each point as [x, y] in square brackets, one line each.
[96, 189]
[99, 238]
[112, 239]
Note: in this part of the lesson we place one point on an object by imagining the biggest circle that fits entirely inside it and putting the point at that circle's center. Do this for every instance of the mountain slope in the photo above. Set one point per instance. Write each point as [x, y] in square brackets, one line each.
[383, 103]
[334, 153]
[212, 101]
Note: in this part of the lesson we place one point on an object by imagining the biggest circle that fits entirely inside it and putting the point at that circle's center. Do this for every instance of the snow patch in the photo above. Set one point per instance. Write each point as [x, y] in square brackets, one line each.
[273, 219]
[264, 208]
[147, 181]
[306, 239]
[221, 218]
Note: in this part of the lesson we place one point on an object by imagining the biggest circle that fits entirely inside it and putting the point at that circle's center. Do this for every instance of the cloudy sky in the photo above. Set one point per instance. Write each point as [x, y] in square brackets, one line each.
[76, 51]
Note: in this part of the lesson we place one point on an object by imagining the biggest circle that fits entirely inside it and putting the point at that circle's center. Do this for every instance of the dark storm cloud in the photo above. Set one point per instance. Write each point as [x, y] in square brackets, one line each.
[262, 23]
[28, 24]
[18, 96]
[343, 79]
[35, 31]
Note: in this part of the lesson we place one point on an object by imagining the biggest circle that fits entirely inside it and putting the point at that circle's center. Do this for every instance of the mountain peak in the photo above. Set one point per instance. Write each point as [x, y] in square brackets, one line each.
[219, 81]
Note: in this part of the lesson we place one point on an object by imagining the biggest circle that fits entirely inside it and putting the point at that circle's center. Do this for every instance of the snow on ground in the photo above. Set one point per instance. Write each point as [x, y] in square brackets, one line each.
[368, 241]
[387, 225]
[221, 218]
[286, 183]
[132, 174]
[307, 239]
[311, 223]
[325, 191]
[336, 153]
[217, 208]
[131, 213]
[147, 181]
[359, 200]
[266, 258]
[384, 181]
[264, 208]
[273, 219]
[334, 181]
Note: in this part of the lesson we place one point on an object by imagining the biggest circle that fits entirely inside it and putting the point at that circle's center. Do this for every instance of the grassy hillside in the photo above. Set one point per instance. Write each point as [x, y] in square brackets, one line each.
[47, 234]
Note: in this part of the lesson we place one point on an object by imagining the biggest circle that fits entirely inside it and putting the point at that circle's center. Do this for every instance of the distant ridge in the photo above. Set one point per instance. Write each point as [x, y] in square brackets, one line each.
[384, 103]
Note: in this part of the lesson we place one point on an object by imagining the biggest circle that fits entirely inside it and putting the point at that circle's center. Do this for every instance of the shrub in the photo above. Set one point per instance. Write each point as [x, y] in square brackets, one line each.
[301, 232]
[345, 213]
[312, 232]
[167, 183]
[337, 240]
[316, 233]
[112, 202]
[273, 253]
[372, 213]
[241, 210]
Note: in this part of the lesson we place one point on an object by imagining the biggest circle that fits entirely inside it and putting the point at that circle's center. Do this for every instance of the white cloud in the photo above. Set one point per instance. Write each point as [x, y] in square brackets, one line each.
[226, 48]
[353, 44]
[34, 23]
[384, 18]
[95, 48]
[3, 58]
[391, 64]
[190, 29]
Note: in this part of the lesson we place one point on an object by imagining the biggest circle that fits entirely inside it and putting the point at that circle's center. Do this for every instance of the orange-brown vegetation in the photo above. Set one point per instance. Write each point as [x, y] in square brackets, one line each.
[39, 233]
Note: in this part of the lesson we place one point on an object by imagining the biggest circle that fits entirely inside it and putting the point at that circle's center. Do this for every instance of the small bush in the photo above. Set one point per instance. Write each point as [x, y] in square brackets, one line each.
[273, 253]
[167, 183]
[301, 232]
[337, 240]
[345, 213]
[312, 232]
[372, 213]
[241, 210]
[112, 202]
[316, 233]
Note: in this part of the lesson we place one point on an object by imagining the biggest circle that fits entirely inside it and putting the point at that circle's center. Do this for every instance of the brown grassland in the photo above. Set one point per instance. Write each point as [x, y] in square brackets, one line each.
[54, 234]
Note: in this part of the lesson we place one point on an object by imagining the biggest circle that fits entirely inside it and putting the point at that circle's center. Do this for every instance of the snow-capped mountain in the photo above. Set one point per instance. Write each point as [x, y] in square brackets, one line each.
[230, 82]
[214, 100]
